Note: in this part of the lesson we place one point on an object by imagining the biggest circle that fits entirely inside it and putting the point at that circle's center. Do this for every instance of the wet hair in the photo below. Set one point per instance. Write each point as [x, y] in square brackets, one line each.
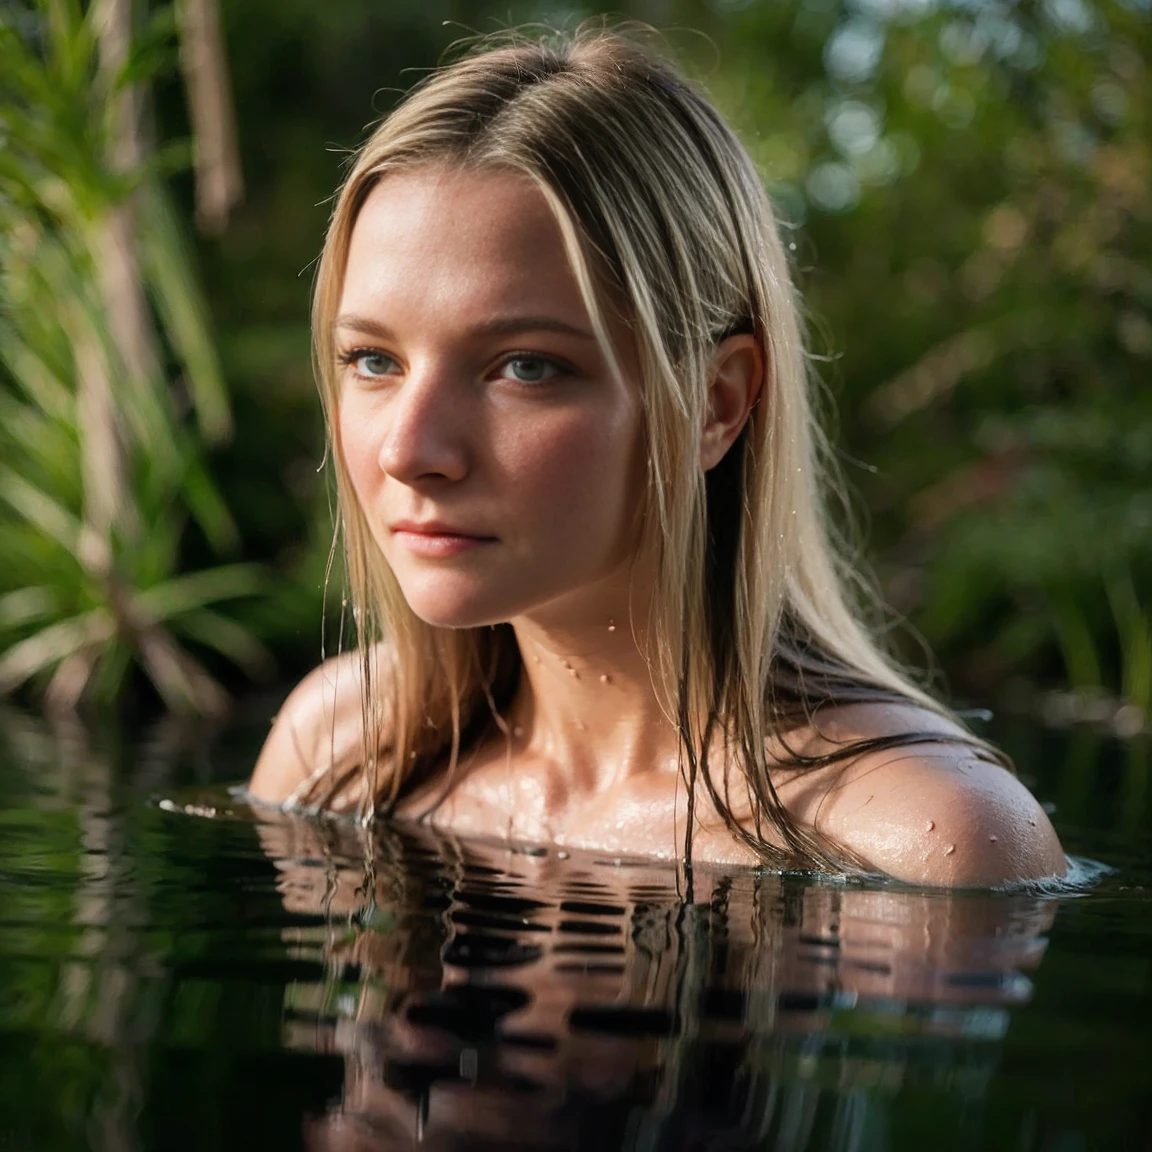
[756, 624]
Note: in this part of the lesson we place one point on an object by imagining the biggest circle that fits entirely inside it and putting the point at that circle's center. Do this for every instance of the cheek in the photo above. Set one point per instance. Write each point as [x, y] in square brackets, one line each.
[579, 474]
[356, 446]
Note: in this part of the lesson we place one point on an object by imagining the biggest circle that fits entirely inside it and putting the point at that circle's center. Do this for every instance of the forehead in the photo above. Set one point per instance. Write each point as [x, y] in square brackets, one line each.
[459, 241]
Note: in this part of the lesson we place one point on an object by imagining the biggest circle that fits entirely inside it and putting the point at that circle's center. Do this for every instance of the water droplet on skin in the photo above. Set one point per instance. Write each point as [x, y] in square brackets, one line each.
[605, 679]
[573, 672]
[950, 849]
[993, 839]
[561, 855]
[611, 625]
[930, 825]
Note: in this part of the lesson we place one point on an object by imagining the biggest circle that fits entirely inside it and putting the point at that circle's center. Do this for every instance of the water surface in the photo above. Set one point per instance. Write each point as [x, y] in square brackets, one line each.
[179, 975]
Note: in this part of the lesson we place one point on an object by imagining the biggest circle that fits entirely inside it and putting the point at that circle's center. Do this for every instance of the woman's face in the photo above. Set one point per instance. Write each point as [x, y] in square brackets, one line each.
[497, 457]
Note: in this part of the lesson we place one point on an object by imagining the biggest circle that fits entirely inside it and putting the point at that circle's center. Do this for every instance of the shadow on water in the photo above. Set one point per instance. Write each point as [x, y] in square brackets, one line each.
[169, 981]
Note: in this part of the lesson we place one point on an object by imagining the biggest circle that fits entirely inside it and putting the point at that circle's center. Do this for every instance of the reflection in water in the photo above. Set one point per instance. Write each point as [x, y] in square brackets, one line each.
[488, 998]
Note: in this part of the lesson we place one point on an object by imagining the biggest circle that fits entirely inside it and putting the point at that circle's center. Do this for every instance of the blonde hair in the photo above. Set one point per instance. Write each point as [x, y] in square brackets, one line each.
[751, 627]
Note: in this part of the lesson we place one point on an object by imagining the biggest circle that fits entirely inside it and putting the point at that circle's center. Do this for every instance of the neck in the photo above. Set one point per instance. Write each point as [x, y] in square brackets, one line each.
[587, 704]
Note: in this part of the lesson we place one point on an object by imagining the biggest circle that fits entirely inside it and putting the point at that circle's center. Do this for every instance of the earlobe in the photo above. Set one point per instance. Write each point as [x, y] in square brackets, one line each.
[736, 382]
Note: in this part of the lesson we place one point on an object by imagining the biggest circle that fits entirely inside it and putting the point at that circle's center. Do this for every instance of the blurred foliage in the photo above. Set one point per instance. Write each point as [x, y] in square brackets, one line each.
[979, 206]
[966, 185]
[971, 182]
[111, 382]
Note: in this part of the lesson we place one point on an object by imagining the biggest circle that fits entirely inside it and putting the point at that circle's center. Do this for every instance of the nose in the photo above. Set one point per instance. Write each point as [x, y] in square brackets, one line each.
[425, 438]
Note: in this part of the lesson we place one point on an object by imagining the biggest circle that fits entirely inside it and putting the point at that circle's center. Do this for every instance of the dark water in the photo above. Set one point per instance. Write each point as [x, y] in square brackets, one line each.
[169, 981]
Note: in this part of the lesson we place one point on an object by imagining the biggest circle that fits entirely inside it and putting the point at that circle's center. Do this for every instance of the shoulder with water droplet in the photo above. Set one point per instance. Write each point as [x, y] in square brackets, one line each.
[939, 811]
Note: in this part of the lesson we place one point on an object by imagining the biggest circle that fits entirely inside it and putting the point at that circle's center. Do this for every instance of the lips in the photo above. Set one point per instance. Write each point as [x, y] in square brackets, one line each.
[435, 539]
[434, 528]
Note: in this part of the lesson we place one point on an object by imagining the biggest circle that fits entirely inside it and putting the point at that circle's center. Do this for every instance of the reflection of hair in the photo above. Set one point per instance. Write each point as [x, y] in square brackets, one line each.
[664, 217]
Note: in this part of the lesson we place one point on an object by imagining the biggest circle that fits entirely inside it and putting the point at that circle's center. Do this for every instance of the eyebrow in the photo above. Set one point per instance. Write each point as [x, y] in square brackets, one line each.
[498, 326]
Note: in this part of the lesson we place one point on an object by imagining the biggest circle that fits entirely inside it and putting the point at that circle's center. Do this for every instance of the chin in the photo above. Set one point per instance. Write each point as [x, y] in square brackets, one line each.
[459, 618]
[457, 608]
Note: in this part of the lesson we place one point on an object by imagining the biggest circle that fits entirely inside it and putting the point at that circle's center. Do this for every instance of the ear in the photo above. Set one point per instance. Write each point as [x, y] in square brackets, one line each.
[737, 377]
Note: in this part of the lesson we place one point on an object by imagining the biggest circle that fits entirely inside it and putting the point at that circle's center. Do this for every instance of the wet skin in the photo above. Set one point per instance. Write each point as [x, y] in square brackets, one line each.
[498, 456]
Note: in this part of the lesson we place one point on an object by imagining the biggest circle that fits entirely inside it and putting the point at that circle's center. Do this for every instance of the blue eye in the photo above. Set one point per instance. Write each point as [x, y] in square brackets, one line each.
[368, 363]
[531, 369]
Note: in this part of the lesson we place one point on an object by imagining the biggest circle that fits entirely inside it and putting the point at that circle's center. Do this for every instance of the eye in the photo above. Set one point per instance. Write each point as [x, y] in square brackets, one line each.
[369, 362]
[529, 369]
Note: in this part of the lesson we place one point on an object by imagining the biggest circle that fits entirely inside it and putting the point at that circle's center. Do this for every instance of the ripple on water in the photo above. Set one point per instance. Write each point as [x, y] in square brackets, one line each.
[483, 996]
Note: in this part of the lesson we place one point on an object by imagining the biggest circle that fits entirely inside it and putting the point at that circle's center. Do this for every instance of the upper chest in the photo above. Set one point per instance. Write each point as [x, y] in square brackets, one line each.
[528, 800]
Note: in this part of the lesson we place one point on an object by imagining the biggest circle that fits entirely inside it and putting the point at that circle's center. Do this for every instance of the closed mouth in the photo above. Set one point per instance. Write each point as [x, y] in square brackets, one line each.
[434, 529]
[434, 541]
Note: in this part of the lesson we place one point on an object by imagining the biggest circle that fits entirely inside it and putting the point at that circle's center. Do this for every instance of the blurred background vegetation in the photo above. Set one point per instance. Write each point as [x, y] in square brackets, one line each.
[966, 187]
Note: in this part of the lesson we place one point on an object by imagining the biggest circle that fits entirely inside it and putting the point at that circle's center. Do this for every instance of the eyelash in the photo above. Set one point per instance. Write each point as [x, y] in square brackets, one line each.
[561, 367]
[347, 359]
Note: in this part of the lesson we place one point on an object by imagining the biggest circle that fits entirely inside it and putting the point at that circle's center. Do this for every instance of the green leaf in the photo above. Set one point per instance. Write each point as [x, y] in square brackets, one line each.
[228, 638]
[41, 509]
[28, 604]
[184, 593]
[168, 265]
[52, 644]
[207, 506]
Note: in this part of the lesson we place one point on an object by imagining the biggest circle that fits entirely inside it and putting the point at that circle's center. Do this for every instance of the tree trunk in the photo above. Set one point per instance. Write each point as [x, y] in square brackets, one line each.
[219, 183]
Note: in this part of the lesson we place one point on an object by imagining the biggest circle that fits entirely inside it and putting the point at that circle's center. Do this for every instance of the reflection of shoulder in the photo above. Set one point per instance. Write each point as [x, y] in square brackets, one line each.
[927, 812]
[319, 727]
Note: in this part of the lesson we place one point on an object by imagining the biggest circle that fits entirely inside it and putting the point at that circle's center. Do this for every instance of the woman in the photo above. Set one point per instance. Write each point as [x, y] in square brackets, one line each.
[579, 480]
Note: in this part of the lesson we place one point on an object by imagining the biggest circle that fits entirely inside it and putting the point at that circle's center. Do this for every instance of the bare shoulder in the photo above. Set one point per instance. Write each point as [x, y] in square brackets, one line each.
[938, 813]
[319, 727]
